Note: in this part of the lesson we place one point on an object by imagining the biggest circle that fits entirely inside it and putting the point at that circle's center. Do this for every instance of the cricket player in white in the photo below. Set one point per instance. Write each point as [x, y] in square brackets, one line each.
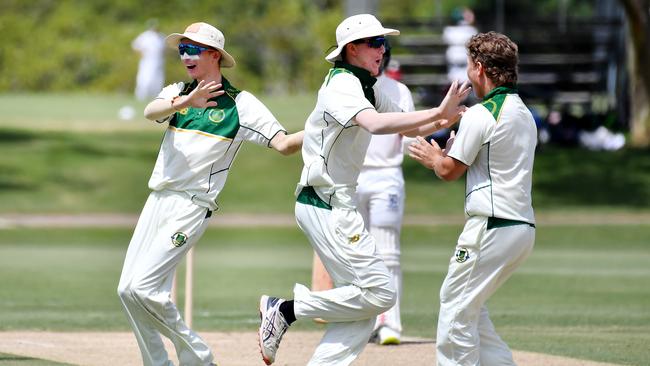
[151, 68]
[348, 110]
[495, 144]
[380, 196]
[381, 202]
[208, 121]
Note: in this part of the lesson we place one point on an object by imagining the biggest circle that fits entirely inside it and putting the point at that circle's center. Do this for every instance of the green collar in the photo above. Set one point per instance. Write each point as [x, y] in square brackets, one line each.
[367, 81]
[503, 89]
[360, 73]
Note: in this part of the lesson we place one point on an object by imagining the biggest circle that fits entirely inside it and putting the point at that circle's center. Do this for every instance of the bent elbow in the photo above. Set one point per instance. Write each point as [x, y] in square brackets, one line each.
[286, 151]
[446, 177]
[148, 114]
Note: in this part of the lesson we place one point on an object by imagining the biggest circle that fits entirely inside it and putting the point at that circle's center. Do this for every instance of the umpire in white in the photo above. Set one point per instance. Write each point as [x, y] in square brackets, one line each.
[349, 109]
[495, 144]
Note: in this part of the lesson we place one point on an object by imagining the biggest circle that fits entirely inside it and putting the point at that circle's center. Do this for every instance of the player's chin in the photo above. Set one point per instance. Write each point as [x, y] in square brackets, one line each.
[192, 72]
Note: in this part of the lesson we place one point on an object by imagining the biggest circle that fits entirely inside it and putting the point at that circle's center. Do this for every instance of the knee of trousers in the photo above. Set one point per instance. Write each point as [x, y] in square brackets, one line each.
[123, 292]
[133, 295]
[383, 297]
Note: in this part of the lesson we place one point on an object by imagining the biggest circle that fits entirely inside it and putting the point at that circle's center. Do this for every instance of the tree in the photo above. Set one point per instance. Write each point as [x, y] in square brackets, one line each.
[638, 15]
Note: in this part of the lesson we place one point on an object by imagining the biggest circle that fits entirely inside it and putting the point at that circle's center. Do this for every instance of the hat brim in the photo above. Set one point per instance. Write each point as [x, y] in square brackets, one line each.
[373, 32]
[174, 39]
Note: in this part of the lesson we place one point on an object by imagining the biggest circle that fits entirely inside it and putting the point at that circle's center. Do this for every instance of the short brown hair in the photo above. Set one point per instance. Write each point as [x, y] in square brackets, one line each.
[498, 55]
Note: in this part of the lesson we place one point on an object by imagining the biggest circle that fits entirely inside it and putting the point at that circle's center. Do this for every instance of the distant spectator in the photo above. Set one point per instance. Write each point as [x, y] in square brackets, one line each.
[393, 70]
[456, 36]
[563, 127]
[151, 69]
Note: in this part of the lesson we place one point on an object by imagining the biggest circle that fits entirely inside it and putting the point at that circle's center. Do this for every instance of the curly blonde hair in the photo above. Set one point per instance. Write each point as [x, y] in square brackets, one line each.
[498, 54]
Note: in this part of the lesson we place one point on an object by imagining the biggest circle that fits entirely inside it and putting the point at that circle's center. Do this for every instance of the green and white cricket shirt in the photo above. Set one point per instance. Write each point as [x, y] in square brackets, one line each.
[334, 145]
[497, 140]
[200, 144]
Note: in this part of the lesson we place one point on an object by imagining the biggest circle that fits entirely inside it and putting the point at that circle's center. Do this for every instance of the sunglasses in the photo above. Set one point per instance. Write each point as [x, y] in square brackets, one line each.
[192, 49]
[373, 42]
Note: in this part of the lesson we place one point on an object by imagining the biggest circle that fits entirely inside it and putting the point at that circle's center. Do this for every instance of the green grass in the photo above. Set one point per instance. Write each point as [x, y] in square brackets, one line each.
[583, 292]
[76, 172]
[14, 360]
[70, 154]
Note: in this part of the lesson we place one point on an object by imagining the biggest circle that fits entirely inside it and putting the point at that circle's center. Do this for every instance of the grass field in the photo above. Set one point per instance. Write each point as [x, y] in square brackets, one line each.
[75, 159]
[13, 360]
[583, 293]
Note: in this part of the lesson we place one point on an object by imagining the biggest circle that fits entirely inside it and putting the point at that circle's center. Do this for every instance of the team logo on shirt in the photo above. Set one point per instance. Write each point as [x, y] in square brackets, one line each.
[462, 255]
[216, 115]
[179, 239]
[354, 238]
[184, 111]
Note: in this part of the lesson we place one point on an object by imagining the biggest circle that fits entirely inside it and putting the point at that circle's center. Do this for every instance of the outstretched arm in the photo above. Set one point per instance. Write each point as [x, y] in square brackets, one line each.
[287, 144]
[161, 108]
[386, 123]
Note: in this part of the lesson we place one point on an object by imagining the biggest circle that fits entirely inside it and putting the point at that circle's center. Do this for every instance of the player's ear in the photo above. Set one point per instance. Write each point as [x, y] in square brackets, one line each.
[479, 67]
[217, 55]
[351, 49]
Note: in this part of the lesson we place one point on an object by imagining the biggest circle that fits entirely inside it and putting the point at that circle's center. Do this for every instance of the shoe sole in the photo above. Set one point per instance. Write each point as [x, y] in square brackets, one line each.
[390, 341]
[263, 301]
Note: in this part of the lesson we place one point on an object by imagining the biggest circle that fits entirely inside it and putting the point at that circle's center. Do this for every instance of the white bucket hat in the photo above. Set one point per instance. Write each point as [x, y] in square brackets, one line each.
[205, 34]
[357, 27]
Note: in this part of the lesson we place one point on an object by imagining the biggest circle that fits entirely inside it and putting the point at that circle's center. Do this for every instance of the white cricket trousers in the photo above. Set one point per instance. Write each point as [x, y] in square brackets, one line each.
[380, 196]
[484, 259]
[363, 287]
[146, 280]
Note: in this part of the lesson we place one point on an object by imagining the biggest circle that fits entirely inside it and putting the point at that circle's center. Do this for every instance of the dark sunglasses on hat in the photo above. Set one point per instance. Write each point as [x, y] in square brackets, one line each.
[372, 42]
[192, 49]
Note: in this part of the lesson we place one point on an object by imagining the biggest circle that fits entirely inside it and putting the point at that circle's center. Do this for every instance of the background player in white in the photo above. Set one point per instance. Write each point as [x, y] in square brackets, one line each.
[337, 133]
[381, 201]
[208, 121]
[150, 44]
[495, 144]
[456, 36]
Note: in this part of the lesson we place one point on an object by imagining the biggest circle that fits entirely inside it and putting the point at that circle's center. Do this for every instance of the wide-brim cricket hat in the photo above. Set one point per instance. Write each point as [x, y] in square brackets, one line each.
[357, 27]
[205, 34]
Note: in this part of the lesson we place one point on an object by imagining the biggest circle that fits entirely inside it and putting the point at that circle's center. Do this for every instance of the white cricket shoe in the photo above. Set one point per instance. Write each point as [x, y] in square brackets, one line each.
[388, 336]
[272, 327]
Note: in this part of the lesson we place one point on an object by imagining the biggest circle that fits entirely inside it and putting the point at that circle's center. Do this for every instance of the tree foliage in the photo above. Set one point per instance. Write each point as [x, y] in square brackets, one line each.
[60, 45]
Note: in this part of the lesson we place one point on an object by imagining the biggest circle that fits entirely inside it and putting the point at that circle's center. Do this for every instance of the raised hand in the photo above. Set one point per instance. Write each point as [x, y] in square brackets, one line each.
[204, 91]
[450, 107]
[424, 152]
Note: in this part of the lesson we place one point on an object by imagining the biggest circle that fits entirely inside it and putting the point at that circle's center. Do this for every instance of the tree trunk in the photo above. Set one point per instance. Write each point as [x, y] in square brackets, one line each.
[638, 16]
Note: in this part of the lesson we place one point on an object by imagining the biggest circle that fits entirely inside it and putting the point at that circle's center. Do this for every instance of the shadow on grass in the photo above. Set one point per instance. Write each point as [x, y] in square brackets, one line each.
[15, 136]
[7, 359]
[576, 177]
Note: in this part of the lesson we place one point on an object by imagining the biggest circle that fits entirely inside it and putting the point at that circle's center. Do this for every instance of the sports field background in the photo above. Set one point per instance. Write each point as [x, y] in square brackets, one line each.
[583, 293]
